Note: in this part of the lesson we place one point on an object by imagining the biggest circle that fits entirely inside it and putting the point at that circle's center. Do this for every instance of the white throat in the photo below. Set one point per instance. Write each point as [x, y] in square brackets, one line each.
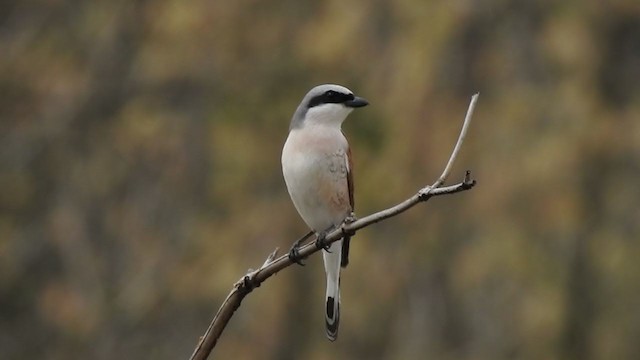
[332, 115]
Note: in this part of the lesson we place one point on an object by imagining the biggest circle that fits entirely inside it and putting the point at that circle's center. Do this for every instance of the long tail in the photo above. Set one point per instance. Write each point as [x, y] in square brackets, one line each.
[332, 262]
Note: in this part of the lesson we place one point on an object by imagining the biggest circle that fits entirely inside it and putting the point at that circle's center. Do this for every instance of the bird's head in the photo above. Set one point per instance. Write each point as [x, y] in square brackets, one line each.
[326, 104]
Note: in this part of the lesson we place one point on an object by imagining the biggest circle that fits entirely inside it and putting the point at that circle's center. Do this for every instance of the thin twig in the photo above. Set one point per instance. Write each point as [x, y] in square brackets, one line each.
[456, 149]
[271, 266]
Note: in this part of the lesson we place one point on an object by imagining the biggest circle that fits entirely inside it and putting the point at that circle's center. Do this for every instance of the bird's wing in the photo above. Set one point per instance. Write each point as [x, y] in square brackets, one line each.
[349, 162]
[344, 261]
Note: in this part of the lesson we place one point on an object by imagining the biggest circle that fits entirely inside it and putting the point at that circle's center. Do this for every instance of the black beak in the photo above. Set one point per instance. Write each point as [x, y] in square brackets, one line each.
[356, 102]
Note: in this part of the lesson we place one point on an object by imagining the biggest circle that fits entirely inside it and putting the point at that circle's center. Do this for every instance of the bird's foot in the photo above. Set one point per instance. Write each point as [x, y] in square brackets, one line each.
[294, 255]
[294, 252]
[321, 241]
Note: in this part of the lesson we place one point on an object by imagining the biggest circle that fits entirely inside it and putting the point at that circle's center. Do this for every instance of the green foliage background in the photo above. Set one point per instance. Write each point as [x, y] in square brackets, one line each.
[140, 177]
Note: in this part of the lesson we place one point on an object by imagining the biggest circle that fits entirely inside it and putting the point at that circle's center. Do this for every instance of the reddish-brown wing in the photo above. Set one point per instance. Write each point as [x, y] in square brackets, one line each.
[344, 261]
[349, 162]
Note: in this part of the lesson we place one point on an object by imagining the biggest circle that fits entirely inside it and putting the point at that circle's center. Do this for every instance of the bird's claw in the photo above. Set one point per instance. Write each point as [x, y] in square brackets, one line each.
[294, 255]
[321, 242]
[294, 252]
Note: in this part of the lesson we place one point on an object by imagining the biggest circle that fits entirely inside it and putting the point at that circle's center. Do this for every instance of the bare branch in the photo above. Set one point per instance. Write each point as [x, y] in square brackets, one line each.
[456, 149]
[254, 278]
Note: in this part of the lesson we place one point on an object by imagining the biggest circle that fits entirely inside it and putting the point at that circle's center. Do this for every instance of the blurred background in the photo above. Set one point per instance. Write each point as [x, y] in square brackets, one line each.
[140, 177]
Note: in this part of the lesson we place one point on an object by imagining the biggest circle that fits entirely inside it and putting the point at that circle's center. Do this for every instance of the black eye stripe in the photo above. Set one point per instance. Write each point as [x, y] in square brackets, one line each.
[330, 97]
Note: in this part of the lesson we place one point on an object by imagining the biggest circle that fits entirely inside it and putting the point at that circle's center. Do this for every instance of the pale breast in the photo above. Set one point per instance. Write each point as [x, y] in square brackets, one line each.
[315, 171]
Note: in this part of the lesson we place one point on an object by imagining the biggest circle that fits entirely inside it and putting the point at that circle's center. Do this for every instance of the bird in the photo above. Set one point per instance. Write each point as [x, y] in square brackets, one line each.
[318, 172]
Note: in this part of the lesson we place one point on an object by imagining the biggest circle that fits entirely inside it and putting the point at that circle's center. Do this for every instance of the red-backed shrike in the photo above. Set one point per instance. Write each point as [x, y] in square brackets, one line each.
[317, 168]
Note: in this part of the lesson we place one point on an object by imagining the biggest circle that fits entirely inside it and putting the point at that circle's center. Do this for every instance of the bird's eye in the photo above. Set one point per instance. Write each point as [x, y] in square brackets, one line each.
[331, 94]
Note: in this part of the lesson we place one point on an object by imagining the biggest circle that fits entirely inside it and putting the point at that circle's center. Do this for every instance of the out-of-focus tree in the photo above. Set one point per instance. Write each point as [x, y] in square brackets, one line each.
[139, 177]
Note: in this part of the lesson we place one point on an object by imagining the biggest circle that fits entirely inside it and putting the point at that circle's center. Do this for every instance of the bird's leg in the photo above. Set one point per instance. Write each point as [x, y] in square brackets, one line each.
[321, 238]
[294, 252]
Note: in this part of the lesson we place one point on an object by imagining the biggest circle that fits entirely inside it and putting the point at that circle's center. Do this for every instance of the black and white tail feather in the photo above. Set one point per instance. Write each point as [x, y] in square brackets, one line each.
[332, 260]
[332, 316]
